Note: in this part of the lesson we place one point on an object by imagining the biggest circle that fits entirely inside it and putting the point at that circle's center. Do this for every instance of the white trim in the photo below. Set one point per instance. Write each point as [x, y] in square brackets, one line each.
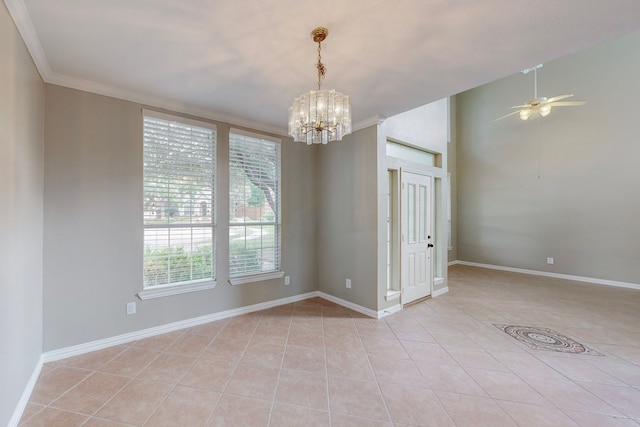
[254, 135]
[368, 122]
[438, 281]
[178, 119]
[391, 295]
[388, 311]
[255, 278]
[348, 304]
[555, 275]
[453, 263]
[20, 15]
[439, 292]
[26, 394]
[169, 290]
[76, 350]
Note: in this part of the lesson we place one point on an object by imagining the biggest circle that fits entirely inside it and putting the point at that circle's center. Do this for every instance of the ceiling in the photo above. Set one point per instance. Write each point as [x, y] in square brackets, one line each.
[243, 61]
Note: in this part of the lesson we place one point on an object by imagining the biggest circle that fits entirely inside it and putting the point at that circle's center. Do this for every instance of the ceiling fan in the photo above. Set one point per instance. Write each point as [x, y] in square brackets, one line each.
[540, 106]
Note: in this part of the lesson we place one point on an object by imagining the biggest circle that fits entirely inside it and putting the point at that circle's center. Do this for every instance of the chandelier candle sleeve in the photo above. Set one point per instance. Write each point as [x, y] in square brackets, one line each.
[320, 116]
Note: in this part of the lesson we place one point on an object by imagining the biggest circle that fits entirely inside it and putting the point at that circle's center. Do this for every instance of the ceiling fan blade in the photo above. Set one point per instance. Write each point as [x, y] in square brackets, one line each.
[568, 103]
[507, 115]
[522, 106]
[558, 98]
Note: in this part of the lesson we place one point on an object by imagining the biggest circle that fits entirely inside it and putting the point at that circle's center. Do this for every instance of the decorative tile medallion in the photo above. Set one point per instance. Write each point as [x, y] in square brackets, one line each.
[546, 339]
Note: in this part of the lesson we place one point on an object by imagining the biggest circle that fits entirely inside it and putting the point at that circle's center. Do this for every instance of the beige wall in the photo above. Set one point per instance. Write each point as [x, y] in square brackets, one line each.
[21, 212]
[567, 186]
[93, 225]
[452, 168]
[347, 218]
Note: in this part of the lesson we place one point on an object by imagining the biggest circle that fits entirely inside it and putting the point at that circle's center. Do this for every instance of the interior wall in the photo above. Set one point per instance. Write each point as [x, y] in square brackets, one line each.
[452, 168]
[348, 218]
[424, 127]
[565, 186]
[21, 211]
[93, 235]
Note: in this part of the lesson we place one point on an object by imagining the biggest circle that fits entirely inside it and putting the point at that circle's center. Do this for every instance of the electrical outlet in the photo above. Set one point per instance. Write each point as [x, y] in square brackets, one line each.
[131, 308]
[550, 260]
[348, 283]
[287, 280]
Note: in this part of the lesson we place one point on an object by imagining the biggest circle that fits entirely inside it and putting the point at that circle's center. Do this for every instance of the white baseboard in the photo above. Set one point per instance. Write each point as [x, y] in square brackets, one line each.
[453, 263]
[554, 275]
[348, 304]
[26, 395]
[76, 350]
[387, 311]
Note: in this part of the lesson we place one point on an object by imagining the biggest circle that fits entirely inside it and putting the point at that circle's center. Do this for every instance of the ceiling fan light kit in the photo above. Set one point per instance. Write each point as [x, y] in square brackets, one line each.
[540, 106]
[320, 116]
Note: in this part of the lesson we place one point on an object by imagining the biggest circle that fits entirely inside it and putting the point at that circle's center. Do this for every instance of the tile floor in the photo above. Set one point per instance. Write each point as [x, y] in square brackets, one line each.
[437, 363]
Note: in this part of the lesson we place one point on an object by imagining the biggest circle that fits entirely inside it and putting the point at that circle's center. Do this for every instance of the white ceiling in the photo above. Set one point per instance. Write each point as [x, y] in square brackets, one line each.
[243, 61]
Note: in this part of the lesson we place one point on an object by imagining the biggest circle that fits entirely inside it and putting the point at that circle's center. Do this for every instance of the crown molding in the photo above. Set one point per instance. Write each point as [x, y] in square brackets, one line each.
[20, 16]
[368, 122]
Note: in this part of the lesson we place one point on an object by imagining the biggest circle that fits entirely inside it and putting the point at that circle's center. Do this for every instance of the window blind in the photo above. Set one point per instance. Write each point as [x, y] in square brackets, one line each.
[254, 204]
[179, 209]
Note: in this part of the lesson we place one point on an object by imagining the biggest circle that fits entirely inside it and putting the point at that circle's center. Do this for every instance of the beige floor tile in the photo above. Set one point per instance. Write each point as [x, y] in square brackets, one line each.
[185, 407]
[529, 415]
[414, 406]
[626, 399]
[130, 362]
[51, 417]
[55, 382]
[93, 360]
[224, 348]
[240, 411]
[93, 392]
[384, 347]
[253, 381]
[349, 365]
[30, 410]
[339, 326]
[304, 359]
[344, 420]
[428, 353]
[397, 371]
[587, 419]
[626, 372]
[267, 355]
[506, 386]
[158, 342]
[302, 339]
[474, 411]
[168, 368]
[566, 394]
[524, 363]
[303, 389]
[355, 397]
[190, 345]
[136, 402]
[101, 422]
[476, 358]
[451, 379]
[373, 327]
[298, 416]
[211, 329]
[209, 374]
[348, 343]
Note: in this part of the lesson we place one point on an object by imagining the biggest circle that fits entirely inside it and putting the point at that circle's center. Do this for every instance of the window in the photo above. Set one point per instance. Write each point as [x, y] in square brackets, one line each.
[449, 238]
[179, 204]
[254, 205]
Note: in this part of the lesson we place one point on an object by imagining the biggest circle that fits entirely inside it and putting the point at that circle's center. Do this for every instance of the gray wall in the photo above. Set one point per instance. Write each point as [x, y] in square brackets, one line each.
[21, 212]
[452, 167]
[567, 186]
[347, 218]
[93, 225]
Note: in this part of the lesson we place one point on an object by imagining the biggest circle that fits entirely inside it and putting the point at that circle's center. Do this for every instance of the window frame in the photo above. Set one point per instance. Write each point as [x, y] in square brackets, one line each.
[193, 285]
[277, 272]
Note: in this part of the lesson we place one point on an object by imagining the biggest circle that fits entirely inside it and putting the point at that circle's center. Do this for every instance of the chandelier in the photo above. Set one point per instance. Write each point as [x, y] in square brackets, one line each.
[320, 116]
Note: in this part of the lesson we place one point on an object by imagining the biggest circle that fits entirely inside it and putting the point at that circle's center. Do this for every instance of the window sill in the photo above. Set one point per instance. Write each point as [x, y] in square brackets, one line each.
[169, 290]
[256, 278]
[391, 295]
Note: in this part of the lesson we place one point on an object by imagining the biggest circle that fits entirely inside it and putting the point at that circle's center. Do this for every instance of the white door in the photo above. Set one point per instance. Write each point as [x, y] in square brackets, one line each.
[416, 248]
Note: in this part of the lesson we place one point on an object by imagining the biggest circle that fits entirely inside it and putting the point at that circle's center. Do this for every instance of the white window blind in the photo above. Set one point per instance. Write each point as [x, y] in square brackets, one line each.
[254, 204]
[179, 208]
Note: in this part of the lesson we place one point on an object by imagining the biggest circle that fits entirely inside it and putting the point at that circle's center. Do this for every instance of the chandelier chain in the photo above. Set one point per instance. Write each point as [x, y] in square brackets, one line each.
[322, 70]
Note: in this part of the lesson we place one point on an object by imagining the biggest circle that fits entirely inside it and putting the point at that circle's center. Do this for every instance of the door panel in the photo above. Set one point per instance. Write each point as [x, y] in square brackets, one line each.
[416, 224]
